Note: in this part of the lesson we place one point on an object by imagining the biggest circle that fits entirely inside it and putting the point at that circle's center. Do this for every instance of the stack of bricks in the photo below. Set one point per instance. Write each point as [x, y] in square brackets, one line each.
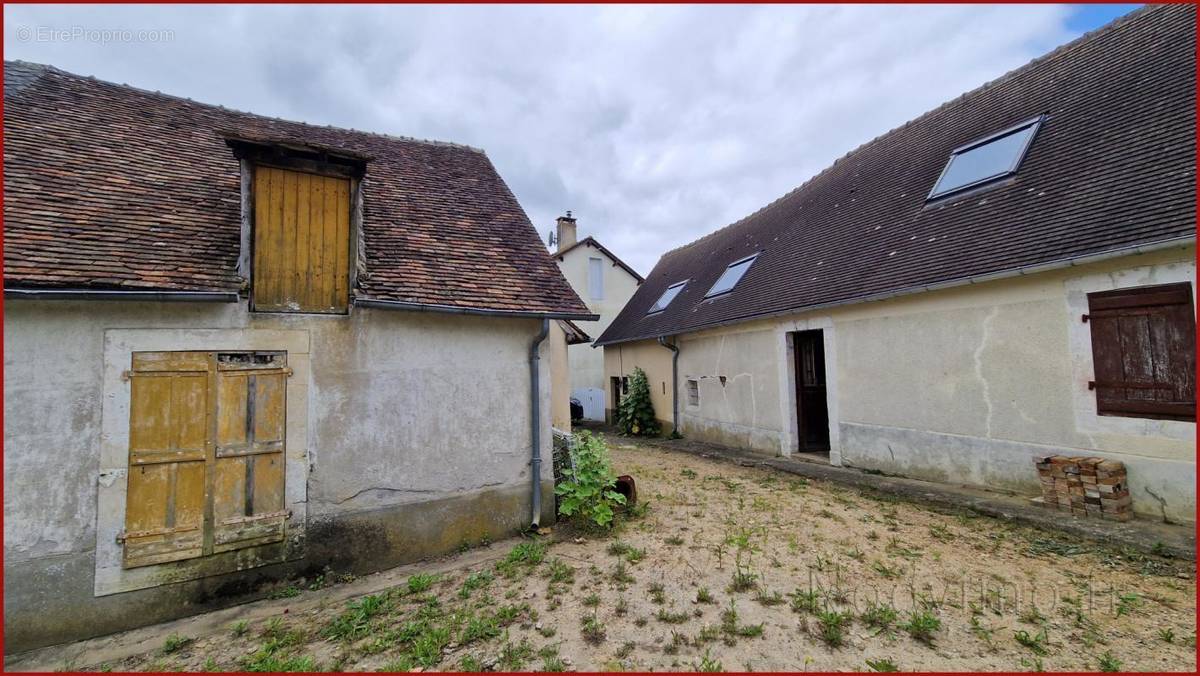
[1085, 487]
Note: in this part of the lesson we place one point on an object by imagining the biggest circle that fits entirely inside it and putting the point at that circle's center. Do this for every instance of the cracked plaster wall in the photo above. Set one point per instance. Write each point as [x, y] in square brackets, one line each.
[964, 385]
[402, 407]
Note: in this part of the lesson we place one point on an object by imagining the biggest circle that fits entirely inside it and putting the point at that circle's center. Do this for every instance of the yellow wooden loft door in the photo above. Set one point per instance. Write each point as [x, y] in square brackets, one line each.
[301, 252]
[206, 454]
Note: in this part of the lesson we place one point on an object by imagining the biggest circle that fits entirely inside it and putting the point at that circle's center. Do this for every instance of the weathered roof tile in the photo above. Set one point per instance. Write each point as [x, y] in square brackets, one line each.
[1112, 167]
[109, 186]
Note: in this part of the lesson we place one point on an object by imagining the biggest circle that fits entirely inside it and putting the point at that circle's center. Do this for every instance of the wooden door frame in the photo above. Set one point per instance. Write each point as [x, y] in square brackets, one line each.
[799, 396]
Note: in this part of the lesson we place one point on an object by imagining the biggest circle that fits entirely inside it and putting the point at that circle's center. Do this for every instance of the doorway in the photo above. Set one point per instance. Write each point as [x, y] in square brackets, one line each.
[812, 406]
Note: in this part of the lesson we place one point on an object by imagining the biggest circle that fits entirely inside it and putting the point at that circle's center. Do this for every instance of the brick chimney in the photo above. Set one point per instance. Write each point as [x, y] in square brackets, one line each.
[565, 232]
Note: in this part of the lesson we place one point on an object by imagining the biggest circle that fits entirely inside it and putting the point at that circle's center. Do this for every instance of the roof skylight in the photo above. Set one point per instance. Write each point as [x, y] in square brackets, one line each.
[986, 159]
[667, 296]
[731, 276]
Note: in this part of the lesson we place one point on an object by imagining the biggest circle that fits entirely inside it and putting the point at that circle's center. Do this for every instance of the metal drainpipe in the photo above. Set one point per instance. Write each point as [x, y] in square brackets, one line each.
[536, 415]
[662, 340]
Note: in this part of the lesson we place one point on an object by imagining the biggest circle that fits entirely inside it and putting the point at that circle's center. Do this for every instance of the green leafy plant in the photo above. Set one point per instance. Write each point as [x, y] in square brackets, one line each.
[883, 665]
[420, 582]
[589, 488]
[708, 664]
[174, 643]
[635, 413]
[832, 625]
[881, 616]
[1109, 663]
[922, 625]
[1036, 642]
[592, 629]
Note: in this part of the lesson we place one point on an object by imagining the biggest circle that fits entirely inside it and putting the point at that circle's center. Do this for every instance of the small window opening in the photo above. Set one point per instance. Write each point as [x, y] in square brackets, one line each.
[732, 275]
[987, 159]
[667, 296]
[693, 392]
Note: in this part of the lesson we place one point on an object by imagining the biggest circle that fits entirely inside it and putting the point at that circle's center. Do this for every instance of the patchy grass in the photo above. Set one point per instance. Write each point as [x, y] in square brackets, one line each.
[699, 582]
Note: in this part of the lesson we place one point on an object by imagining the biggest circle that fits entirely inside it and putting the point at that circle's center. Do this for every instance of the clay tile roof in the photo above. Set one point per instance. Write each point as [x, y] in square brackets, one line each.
[107, 186]
[1111, 168]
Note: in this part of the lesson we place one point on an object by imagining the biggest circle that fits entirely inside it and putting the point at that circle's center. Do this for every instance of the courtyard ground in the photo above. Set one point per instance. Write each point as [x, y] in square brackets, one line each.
[718, 567]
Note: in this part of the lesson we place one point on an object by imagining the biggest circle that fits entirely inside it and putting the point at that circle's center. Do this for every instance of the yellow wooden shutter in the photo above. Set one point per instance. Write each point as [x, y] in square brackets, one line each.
[301, 242]
[206, 454]
[248, 503]
[168, 433]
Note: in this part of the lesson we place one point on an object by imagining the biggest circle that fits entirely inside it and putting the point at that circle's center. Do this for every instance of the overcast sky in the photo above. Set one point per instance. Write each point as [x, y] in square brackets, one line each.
[655, 125]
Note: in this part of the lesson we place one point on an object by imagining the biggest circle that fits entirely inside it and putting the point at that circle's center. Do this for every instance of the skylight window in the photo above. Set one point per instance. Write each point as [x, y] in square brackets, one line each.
[731, 276]
[667, 296]
[986, 159]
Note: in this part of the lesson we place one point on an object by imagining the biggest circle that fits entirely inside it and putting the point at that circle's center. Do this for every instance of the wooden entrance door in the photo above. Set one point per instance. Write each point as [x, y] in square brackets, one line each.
[812, 408]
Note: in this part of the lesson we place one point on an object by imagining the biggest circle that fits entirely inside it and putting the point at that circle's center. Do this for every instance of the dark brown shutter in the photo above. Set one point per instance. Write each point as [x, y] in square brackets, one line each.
[1144, 351]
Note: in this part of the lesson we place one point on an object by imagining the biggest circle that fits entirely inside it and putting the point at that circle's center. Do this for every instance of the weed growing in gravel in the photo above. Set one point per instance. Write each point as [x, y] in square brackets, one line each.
[622, 607]
[922, 625]
[1127, 603]
[805, 601]
[879, 616]
[355, 622]
[175, 643]
[1166, 635]
[832, 625]
[592, 629]
[477, 580]
[663, 615]
[674, 541]
[239, 628]
[707, 664]
[524, 556]
[983, 633]
[704, 596]
[883, 665]
[772, 599]
[420, 583]
[621, 574]
[1108, 662]
[657, 593]
[732, 629]
[559, 572]
[887, 571]
[591, 600]
[1031, 615]
[1035, 642]
[514, 656]
[618, 548]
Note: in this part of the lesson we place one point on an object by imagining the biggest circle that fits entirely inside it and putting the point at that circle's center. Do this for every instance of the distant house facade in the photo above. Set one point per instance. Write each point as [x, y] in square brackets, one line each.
[606, 284]
[239, 349]
[1009, 276]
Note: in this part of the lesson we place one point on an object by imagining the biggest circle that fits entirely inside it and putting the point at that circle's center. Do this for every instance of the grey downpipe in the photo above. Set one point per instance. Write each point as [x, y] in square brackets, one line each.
[536, 416]
[662, 340]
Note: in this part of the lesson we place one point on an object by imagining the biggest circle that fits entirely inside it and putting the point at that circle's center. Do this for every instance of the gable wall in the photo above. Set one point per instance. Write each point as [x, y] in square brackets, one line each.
[408, 436]
[586, 362]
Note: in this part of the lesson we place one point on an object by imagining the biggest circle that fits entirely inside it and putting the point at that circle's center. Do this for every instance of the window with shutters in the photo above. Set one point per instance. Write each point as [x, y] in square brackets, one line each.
[1144, 351]
[301, 250]
[206, 454]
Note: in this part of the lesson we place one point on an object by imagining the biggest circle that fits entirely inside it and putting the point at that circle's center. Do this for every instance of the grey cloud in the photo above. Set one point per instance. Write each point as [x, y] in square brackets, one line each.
[655, 125]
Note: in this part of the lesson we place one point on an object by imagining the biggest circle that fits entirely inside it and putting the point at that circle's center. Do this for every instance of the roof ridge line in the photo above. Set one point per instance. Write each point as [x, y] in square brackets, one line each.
[174, 97]
[1087, 36]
